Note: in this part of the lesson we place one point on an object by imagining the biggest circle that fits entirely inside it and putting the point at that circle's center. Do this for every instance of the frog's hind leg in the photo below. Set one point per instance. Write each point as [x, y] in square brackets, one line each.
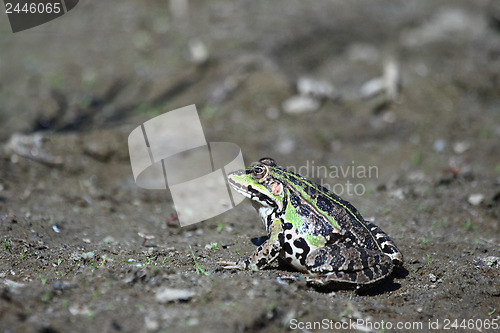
[386, 244]
[347, 264]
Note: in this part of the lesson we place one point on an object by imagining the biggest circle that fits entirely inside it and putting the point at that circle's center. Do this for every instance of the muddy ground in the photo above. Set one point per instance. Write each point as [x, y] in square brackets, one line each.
[411, 88]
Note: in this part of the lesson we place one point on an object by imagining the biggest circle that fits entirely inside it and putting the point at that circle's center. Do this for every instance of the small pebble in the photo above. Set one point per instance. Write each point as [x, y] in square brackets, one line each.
[150, 323]
[461, 147]
[166, 295]
[439, 145]
[300, 104]
[432, 277]
[492, 261]
[108, 240]
[475, 199]
[397, 193]
[316, 88]
[198, 51]
[372, 87]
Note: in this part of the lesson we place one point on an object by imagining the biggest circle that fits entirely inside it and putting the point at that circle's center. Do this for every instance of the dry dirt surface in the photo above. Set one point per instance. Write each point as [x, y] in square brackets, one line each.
[410, 89]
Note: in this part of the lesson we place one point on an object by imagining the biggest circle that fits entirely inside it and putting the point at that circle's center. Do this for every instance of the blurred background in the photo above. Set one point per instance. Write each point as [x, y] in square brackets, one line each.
[409, 87]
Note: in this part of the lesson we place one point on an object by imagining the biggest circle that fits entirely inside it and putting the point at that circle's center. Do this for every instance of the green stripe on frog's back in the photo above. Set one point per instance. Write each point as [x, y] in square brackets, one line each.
[312, 192]
[298, 222]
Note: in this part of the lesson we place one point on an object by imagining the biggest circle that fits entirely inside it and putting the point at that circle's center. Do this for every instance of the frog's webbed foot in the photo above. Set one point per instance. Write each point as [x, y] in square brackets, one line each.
[316, 280]
[240, 265]
[265, 253]
[232, 265]
[292, 278]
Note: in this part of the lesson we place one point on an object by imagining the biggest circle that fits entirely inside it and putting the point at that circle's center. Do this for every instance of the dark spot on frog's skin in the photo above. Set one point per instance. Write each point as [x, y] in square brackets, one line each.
[323, 189]
[312, 192]
[288, 249]
[353, 277]
[255, 193]
[295, 180]
[288, 236]
[385, 269]
[269, 220]
[302, 244]
[387, 248]
[350, 239]
[305, 210]
[274, 252]
[350, 266]
[281, 238]
[324, 228]
[294, 200]
[363, 255]
[369, 274]
[324, 204]
[288, 226]
[262, 262]
[327, 258]
[319, 260]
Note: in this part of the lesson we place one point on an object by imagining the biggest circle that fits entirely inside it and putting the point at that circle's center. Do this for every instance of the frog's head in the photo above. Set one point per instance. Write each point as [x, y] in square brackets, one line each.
[261, 183]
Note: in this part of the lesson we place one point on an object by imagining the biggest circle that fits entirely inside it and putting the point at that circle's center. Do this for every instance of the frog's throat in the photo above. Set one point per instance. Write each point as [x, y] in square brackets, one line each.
[265, 213]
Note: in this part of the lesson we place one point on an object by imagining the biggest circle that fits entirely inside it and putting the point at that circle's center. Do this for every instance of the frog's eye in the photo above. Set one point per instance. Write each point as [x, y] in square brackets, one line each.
[259, 172]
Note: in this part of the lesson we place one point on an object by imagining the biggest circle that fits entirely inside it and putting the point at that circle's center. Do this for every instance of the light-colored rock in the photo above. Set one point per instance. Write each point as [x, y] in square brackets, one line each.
[166, 295]
[461, 147]
[439, 145]
[300, 104]
[316, 88]
[475, 199]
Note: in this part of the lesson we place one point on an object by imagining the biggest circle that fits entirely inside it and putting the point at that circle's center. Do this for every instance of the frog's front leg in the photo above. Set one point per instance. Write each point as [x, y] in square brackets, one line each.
[348, 264]
[265, 253]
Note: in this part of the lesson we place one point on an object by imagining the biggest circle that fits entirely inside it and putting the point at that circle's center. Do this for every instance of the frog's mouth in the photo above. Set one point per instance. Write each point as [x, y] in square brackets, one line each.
[253, 191]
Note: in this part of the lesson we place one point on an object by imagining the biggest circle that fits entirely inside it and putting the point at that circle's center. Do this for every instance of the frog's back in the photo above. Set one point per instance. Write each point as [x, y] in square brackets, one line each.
[348, 224]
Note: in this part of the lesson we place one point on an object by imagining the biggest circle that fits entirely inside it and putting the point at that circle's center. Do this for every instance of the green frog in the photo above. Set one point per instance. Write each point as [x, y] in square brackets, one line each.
[312, 229]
